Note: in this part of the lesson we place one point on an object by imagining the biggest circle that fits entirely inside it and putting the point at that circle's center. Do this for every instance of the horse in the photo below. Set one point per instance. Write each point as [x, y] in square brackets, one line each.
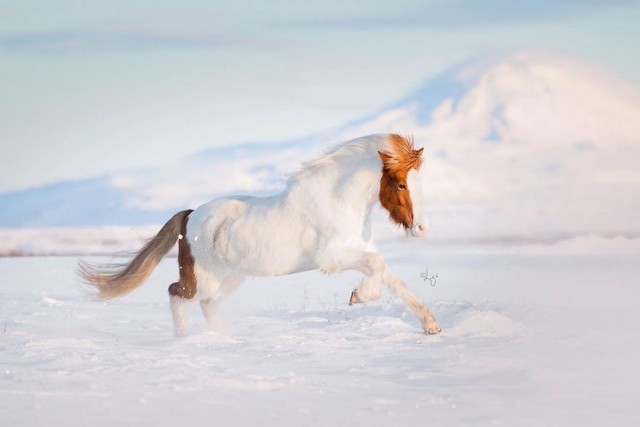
[321, 221]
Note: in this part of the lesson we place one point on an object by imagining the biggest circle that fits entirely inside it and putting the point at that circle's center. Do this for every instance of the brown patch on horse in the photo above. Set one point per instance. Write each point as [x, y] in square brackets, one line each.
[394, 194]
[187, 286]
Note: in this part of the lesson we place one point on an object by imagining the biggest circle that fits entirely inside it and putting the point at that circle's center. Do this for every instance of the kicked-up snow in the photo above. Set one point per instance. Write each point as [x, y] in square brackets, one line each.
[531, 336]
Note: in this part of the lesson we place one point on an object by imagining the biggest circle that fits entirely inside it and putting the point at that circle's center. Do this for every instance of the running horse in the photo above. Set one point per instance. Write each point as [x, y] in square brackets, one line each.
[320, 221]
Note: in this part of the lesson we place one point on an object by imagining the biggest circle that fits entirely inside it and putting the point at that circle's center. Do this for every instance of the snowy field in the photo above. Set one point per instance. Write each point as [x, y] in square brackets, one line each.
[532, 336]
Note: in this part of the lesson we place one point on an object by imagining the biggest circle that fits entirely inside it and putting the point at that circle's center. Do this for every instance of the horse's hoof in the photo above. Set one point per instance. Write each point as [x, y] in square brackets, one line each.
[354, 298]
[432, 329]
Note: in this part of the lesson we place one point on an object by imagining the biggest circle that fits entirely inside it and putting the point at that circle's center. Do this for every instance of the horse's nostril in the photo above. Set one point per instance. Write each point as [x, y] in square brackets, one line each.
[420, 228]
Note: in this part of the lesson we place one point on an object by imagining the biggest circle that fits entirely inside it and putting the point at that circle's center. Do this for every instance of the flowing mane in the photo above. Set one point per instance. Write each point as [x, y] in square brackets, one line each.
[402, 153]
[364, 151]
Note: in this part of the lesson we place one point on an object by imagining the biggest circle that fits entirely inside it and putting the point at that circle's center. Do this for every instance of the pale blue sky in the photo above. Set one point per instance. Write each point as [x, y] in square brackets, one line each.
[89, 87]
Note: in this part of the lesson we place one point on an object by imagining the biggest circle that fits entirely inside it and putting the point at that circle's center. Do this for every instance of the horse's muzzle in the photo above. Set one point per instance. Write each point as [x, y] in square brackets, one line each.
[418, 230]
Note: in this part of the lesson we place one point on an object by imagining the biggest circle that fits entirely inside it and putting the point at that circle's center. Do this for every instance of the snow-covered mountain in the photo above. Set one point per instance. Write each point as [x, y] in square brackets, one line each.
[526, 145]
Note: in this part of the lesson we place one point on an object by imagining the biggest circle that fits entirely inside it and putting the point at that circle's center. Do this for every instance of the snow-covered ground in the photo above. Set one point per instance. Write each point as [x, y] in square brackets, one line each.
[74, 240]
[532, 335]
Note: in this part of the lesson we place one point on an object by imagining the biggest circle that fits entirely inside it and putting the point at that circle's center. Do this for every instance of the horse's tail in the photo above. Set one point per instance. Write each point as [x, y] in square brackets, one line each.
[116, 280]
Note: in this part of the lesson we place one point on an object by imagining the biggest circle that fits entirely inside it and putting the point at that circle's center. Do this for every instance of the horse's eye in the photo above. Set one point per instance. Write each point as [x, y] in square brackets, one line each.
[402, 186]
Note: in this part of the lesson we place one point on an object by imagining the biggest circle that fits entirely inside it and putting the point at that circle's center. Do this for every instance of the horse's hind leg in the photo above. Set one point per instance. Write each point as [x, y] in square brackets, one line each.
[209, 308]
[177, 311]
[179, 293]
[186, 288]
[210, 305]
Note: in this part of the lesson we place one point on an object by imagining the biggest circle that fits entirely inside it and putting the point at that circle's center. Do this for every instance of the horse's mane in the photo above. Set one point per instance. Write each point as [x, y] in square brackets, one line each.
[357, 152]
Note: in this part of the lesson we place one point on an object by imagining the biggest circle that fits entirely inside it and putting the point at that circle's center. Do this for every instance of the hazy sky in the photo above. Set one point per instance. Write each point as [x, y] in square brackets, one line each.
[89, 87]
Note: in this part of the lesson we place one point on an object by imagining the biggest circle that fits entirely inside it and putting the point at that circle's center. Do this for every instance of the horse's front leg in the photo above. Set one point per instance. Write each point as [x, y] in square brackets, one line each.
[368, 290]
[422, 312]
[368, 263]
[209, 308]
[372, 265]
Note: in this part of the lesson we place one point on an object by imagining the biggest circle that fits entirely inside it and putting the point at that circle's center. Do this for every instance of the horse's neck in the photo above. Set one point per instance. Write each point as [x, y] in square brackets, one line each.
[352, 188]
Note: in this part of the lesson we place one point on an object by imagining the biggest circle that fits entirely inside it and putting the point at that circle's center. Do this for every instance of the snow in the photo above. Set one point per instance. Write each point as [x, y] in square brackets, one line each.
[73, 240]
[531, 336]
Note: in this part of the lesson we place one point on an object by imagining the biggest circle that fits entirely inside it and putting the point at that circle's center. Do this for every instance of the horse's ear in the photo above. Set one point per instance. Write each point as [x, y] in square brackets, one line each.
[386, 159]
[419, 151]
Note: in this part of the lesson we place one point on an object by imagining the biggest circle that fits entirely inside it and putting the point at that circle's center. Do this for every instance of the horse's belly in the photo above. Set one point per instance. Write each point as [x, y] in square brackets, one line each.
[268, 258]
[274, 252]
[274, 264]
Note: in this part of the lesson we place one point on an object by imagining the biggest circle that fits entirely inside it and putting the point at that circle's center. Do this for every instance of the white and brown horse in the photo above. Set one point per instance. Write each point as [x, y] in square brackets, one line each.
[320, 221]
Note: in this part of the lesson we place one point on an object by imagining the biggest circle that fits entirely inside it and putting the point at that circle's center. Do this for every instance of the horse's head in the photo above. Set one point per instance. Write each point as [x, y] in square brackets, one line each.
[400, 191]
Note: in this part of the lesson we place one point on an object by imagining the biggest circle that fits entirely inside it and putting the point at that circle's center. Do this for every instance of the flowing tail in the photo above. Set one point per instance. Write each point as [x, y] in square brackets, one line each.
[116, 280]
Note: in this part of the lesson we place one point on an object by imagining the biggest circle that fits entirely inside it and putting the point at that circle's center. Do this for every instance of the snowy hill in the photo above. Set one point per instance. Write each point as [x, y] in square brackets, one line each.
[530, 145]
[521, 146]
[148, 196]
